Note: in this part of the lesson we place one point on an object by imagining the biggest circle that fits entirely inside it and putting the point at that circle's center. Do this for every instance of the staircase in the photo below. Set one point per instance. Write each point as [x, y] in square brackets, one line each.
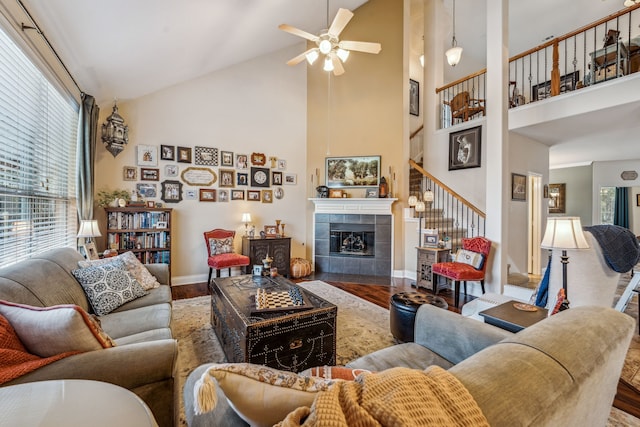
[453, 216]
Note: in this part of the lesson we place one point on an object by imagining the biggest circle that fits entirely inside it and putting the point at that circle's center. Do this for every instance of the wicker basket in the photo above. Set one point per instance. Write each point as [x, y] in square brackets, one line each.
[300, 267]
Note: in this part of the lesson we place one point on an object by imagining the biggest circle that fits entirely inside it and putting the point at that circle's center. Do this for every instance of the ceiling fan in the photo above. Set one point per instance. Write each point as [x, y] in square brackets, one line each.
[329, 44]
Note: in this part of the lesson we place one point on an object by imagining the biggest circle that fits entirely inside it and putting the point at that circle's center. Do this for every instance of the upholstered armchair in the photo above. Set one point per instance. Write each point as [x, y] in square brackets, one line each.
[220, 253]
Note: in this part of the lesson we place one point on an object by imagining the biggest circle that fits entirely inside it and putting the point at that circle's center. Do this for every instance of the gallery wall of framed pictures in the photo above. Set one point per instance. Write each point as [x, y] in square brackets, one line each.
[175, 173]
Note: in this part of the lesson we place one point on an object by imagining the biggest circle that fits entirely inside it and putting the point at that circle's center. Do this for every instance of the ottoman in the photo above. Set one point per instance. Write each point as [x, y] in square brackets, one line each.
[402, 312]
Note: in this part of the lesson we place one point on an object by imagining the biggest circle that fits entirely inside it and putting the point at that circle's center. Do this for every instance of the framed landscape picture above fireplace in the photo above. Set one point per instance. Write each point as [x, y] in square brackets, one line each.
[354, 171]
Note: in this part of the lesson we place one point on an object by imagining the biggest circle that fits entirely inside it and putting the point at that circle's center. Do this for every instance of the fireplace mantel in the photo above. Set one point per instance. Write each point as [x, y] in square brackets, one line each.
[355, 206]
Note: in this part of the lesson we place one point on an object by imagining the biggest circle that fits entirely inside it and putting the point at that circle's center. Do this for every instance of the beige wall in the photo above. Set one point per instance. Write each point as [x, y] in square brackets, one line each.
[256, 106]
[366, 114]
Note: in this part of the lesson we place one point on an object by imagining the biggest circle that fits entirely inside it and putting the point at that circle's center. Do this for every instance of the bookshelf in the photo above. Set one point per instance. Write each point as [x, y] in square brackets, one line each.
[144, 231]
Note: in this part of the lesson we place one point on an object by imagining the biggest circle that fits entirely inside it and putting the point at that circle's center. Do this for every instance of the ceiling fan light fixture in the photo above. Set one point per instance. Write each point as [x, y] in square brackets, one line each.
[342, 54]
[328, 64]
[312, 56]
[629, 3]
[453, 55]
[325, 46]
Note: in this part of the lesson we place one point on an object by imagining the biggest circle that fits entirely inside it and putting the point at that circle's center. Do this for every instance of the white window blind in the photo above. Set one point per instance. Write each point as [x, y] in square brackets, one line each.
[38, 129]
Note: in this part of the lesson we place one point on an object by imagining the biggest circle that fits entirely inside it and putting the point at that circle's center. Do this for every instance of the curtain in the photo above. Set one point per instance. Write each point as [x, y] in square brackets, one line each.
[621, 207]
[85, 157]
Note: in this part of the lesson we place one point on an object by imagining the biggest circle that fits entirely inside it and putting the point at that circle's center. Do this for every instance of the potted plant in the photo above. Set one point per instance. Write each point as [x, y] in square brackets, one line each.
[106, 198]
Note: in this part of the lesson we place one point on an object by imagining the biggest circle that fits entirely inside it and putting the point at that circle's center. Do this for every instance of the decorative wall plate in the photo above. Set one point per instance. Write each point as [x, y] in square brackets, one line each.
[260, 177]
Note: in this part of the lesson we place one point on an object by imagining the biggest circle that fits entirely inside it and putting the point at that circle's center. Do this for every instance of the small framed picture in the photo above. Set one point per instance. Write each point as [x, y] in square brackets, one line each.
[147, 155]
[267, 196]
[90, 251]
[161, 224]
[171, 171]
[130, 173]
[335, 194]
[227, 178]
[207, 195]
[431, 239]
[270, 230]
[151, 204]
[226, 158]
[171, 191]
[518, 187]
[147, 191]
[223, 195]
[414, 98]
[184, 155]
[242, 161]
[290, 179]
[168, 152]
[276, 178]
[237, 194]
[147, 174]
[190, 194]
[278, 193]
[242, 178]
[257, 270]
[253, 195]
[371, 193]
[282, 164]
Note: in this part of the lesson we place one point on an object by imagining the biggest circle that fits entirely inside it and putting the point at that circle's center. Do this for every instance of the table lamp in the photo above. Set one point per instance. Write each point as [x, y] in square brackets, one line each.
[246, 218]
[564, 233]
[89, 229]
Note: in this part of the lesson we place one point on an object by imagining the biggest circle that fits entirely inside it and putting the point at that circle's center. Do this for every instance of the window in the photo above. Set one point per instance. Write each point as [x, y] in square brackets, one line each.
[607, 204]
[37, 159]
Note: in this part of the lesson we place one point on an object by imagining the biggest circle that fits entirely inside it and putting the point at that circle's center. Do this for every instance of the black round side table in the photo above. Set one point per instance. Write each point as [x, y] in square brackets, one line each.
[402, 312]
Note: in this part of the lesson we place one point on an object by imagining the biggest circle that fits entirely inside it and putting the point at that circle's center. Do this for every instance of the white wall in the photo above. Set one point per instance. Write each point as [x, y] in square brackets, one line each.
[257, 106]
[579, 198]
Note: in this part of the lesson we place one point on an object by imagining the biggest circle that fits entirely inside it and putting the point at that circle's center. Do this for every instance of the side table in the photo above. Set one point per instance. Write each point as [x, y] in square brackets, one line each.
[278, 248]
[426, 258]
[506, 316]
[73, 403]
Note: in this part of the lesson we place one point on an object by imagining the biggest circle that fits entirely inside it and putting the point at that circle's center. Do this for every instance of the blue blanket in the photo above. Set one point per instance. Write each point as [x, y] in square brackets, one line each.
[542, 294]
[619, 245]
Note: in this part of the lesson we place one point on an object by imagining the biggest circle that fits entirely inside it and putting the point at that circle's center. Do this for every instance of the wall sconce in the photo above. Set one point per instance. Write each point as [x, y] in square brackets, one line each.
[115, 134]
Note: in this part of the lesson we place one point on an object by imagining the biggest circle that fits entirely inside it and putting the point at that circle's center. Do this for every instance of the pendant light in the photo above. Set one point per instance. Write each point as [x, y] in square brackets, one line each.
[455, 52]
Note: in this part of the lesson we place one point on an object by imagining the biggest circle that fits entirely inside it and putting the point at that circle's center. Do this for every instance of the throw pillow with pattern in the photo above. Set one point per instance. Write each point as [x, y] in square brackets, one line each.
[133, 266]
[221, 246]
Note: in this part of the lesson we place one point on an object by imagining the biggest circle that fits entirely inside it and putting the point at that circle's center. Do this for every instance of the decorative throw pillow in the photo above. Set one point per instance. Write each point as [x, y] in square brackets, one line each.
[333, 372]
[47, 331]
[132, 265]
[474, 259]
[108, 286]
[260, 395]
[221, 246]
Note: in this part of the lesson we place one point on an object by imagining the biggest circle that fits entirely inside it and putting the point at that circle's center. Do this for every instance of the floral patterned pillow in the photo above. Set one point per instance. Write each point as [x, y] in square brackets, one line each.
[132, 265]
[221, 246]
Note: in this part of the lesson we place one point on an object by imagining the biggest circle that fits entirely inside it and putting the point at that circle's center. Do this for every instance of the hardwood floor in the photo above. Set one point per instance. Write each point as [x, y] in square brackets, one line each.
[379, 290]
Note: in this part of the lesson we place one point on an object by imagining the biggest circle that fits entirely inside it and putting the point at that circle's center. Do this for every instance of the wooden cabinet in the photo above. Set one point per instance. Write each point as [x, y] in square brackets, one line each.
[278, 248]
[144, 231]
[426, 258]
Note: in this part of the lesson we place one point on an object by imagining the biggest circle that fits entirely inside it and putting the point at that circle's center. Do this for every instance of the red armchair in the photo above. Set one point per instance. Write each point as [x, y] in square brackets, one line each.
[220, 251]
[466, 266]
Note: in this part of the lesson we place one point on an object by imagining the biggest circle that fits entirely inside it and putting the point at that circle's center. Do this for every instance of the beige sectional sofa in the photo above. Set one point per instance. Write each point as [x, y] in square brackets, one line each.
[145, 356]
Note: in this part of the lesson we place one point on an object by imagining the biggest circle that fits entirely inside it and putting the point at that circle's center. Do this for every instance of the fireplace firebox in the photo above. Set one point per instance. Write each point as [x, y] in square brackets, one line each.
[352, 240]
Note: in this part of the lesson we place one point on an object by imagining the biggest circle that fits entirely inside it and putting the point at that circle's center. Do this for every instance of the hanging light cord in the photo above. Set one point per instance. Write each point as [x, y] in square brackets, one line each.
[454, 42]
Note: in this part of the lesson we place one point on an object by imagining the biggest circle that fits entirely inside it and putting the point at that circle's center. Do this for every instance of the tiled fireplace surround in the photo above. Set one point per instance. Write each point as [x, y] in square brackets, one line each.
[363, 213]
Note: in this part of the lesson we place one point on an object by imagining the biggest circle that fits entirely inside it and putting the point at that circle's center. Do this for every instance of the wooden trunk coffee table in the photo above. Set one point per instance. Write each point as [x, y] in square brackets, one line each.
[286, 338]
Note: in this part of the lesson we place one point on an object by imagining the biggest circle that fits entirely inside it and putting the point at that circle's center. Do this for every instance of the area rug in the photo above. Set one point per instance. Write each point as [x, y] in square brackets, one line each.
[363, 327]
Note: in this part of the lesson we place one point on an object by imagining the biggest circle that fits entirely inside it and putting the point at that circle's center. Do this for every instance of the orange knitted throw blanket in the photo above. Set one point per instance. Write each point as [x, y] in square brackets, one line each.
[15, 361]
[394, 397]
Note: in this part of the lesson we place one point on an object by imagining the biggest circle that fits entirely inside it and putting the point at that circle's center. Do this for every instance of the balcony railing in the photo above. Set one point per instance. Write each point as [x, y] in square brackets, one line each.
[603, 50]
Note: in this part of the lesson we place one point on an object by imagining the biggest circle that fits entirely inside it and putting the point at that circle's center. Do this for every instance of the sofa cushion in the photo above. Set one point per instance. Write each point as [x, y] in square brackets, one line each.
[408, 355]
[15, 361]
[130, 322]
[131, 264]
[260, 395]
[159, 295]
[108, 286]
[48, 331]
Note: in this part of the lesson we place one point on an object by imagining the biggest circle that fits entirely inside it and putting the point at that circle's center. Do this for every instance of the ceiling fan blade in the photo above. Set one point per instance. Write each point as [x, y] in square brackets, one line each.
[367, 47]
[340, 21]
[298, 59]
[298, 32]
[338, 69]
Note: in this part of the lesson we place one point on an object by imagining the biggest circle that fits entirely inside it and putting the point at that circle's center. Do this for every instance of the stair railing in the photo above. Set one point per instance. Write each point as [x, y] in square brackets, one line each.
[449, 212]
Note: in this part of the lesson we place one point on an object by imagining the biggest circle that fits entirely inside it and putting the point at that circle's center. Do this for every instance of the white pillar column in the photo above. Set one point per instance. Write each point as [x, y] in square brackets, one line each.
[497, 163]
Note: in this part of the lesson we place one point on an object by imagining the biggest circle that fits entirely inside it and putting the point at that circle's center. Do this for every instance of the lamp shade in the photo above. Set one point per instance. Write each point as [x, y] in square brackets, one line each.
[420, 207]
[89, 228]
[453, 55]
[564, 233]
[246, 217]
